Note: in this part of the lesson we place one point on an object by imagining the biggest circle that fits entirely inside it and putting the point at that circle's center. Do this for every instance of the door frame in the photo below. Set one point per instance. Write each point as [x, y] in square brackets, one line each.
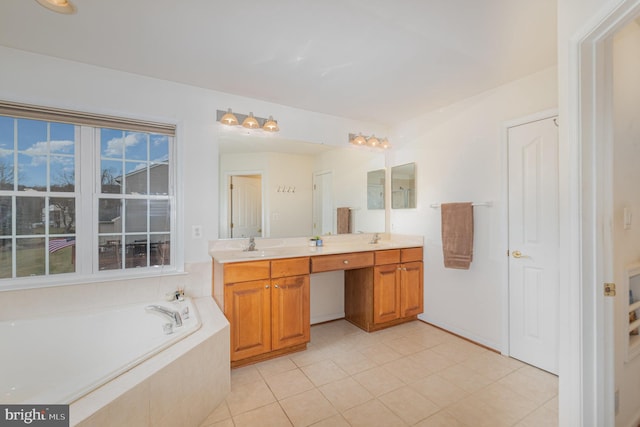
[542, 115]
[225, 197]
[587, 383]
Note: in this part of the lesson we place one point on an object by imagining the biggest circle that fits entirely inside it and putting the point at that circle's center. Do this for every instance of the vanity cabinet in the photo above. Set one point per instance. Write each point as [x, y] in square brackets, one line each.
[388, 294]
[267, 305]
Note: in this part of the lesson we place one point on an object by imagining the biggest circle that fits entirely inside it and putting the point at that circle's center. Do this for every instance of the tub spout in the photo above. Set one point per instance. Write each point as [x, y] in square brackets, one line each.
[171, 314]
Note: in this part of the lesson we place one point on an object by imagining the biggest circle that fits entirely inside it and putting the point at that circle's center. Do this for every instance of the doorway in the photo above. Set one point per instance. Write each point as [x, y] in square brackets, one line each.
[533, 231]
[245, 206]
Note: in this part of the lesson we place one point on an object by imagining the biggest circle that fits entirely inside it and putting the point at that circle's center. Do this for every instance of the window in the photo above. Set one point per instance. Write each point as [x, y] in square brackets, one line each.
[78, 198]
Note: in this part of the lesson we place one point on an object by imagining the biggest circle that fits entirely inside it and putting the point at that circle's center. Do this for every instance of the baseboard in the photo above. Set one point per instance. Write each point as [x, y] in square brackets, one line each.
[326, 318]
[463, 334]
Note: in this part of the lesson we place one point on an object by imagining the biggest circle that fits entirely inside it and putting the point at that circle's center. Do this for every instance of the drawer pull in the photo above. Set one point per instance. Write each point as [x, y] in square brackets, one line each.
[346, 261]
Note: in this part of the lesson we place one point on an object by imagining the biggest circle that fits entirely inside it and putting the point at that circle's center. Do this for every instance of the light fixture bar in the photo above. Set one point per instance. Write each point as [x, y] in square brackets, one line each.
[247, 120]
[369, 141]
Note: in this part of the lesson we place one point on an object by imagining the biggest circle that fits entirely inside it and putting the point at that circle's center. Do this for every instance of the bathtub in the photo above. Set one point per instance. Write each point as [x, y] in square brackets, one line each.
[97, 361]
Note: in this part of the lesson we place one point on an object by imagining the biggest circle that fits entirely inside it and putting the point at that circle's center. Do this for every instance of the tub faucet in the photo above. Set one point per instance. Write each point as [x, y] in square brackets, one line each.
[252, 245]
[171, 314]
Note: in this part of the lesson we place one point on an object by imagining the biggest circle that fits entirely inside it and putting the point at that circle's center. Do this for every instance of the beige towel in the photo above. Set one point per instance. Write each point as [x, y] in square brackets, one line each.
[344, 220]
[457, 234]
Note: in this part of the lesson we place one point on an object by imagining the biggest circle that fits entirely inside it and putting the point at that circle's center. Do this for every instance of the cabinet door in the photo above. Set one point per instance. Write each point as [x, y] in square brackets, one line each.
[248, 309]
[411, 293]
[386, 293]
[290, 311]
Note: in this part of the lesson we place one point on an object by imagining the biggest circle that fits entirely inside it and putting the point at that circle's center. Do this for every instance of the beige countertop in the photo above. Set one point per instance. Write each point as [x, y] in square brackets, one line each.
[225, 251]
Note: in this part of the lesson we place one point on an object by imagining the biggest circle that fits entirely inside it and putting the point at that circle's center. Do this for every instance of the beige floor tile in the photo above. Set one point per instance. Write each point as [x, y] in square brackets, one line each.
[431, 361]
[409, 405]
[372, 414]
[225, 423]
[465, 378]
[458, 351]
[534, 383]
[441, 419]
[378, 381]
[288, 383]
[246, 397]
[345, 394]
[493, 365]
[406, 369]
[221, 413]
[335, 421]
[352, 361]
[246, 374]
[440, 391]
[471, 411]
[380, 353]
[267, 416]
[307, 408]
[324, 372]
[505, 403]
[543, 416]
[275, 366]
[310, 356]
[405, 346]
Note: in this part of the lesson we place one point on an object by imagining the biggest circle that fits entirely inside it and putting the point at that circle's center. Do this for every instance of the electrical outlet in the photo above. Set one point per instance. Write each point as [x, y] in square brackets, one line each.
[196, 231]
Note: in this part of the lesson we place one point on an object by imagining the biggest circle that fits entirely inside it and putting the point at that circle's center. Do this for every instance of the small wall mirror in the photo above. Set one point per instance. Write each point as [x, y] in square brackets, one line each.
[375, 189]
[403, 186]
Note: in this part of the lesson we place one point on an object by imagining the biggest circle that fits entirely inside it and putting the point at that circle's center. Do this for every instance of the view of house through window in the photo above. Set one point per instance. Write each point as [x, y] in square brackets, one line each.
[129, 222]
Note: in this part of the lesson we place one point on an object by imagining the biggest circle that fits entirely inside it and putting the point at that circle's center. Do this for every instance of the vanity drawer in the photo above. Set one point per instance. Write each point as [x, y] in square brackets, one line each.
[391, 256]
[246, 271]
[289, 267]
[411, 254]
[341, 261]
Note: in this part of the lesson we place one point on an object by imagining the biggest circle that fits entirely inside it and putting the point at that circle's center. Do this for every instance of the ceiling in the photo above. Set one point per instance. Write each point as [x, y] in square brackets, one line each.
[376, 60]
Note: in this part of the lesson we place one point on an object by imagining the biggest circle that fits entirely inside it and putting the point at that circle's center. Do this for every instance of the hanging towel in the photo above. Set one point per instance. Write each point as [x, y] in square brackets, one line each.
[457, 234]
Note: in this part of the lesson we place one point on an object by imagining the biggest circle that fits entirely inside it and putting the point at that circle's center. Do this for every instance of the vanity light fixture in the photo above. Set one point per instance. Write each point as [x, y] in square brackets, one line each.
[60, 6]
[250, 121]
[369, 141]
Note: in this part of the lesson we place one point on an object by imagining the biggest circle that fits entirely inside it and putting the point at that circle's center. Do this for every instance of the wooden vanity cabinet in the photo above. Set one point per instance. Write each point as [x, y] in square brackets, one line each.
[267, 305]
[389, 293]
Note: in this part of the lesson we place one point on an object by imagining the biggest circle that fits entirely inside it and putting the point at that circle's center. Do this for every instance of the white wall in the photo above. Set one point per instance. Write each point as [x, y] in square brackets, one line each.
[459, 157]
[626, 110]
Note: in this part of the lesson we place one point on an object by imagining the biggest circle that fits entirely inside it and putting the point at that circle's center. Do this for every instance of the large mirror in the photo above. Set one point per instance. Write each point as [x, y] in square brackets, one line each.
[375, 189]
[403, 186]
[272, 187]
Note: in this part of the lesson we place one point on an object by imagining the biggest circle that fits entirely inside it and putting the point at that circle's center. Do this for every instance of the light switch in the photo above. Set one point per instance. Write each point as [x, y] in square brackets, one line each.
[196, 231]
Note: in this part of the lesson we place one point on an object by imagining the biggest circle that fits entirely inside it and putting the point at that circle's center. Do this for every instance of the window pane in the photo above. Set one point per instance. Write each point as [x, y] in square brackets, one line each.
[136, 178]
[159, 148]
[110, 253]
[62, 136]
[62, 215]
[6, 169]
[111, 177]
[6, 133]
[159, 215]
[62, 173]
[136, 146]
[5, 259]
[32, 172]
[160, 250]
[30, 257]
[32, 136]
[5, 216]
[136, 215]
[136, 251]
[111, 143]
[62, 255]
[159, 177]
[29, 215]
[109, 216]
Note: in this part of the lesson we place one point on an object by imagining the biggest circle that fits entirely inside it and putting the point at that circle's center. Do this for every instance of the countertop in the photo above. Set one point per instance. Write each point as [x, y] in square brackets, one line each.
[234, 250]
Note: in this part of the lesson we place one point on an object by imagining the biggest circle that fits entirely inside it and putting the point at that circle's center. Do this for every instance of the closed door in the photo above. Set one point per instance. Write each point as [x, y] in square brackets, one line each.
[411, 293]
[290, 311]
[246, 206]
[533, 243]
[386, 293]
[323, 218]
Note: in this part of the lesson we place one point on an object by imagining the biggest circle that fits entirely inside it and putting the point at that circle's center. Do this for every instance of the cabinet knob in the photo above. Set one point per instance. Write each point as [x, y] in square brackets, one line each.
[276, 286]
[266, 287]
[346, 261]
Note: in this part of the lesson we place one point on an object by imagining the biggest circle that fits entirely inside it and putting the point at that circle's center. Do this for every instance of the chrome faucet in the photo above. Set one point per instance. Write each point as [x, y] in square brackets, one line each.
[171, 314]
[252, 245]
[375, 238]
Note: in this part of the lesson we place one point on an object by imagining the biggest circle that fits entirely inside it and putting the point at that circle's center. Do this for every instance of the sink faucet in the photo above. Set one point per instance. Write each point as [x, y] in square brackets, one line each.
[375, 238]
[252, 244]
[171, 314]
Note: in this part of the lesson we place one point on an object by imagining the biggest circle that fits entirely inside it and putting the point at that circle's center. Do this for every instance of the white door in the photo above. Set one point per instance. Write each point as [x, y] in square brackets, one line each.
[533, 243]
[246, 206]
[323, 203]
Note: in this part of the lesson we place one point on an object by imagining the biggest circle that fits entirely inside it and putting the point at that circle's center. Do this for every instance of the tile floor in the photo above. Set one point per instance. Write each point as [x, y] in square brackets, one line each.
[408, 375]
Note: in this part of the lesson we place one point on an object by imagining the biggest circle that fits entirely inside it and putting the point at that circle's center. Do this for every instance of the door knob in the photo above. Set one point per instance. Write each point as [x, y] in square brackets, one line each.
[517, 254]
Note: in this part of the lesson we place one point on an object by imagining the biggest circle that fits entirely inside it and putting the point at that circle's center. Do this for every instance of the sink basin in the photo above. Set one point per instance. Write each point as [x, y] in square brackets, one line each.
[256, 254]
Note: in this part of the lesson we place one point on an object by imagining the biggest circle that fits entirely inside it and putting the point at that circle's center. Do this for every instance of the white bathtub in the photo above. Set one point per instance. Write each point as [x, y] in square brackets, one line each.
[57, 360]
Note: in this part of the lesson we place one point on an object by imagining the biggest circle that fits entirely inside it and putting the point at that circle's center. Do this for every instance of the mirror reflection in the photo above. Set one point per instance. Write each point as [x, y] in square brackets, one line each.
[375, 189]
[403, 186]
[273, 187]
